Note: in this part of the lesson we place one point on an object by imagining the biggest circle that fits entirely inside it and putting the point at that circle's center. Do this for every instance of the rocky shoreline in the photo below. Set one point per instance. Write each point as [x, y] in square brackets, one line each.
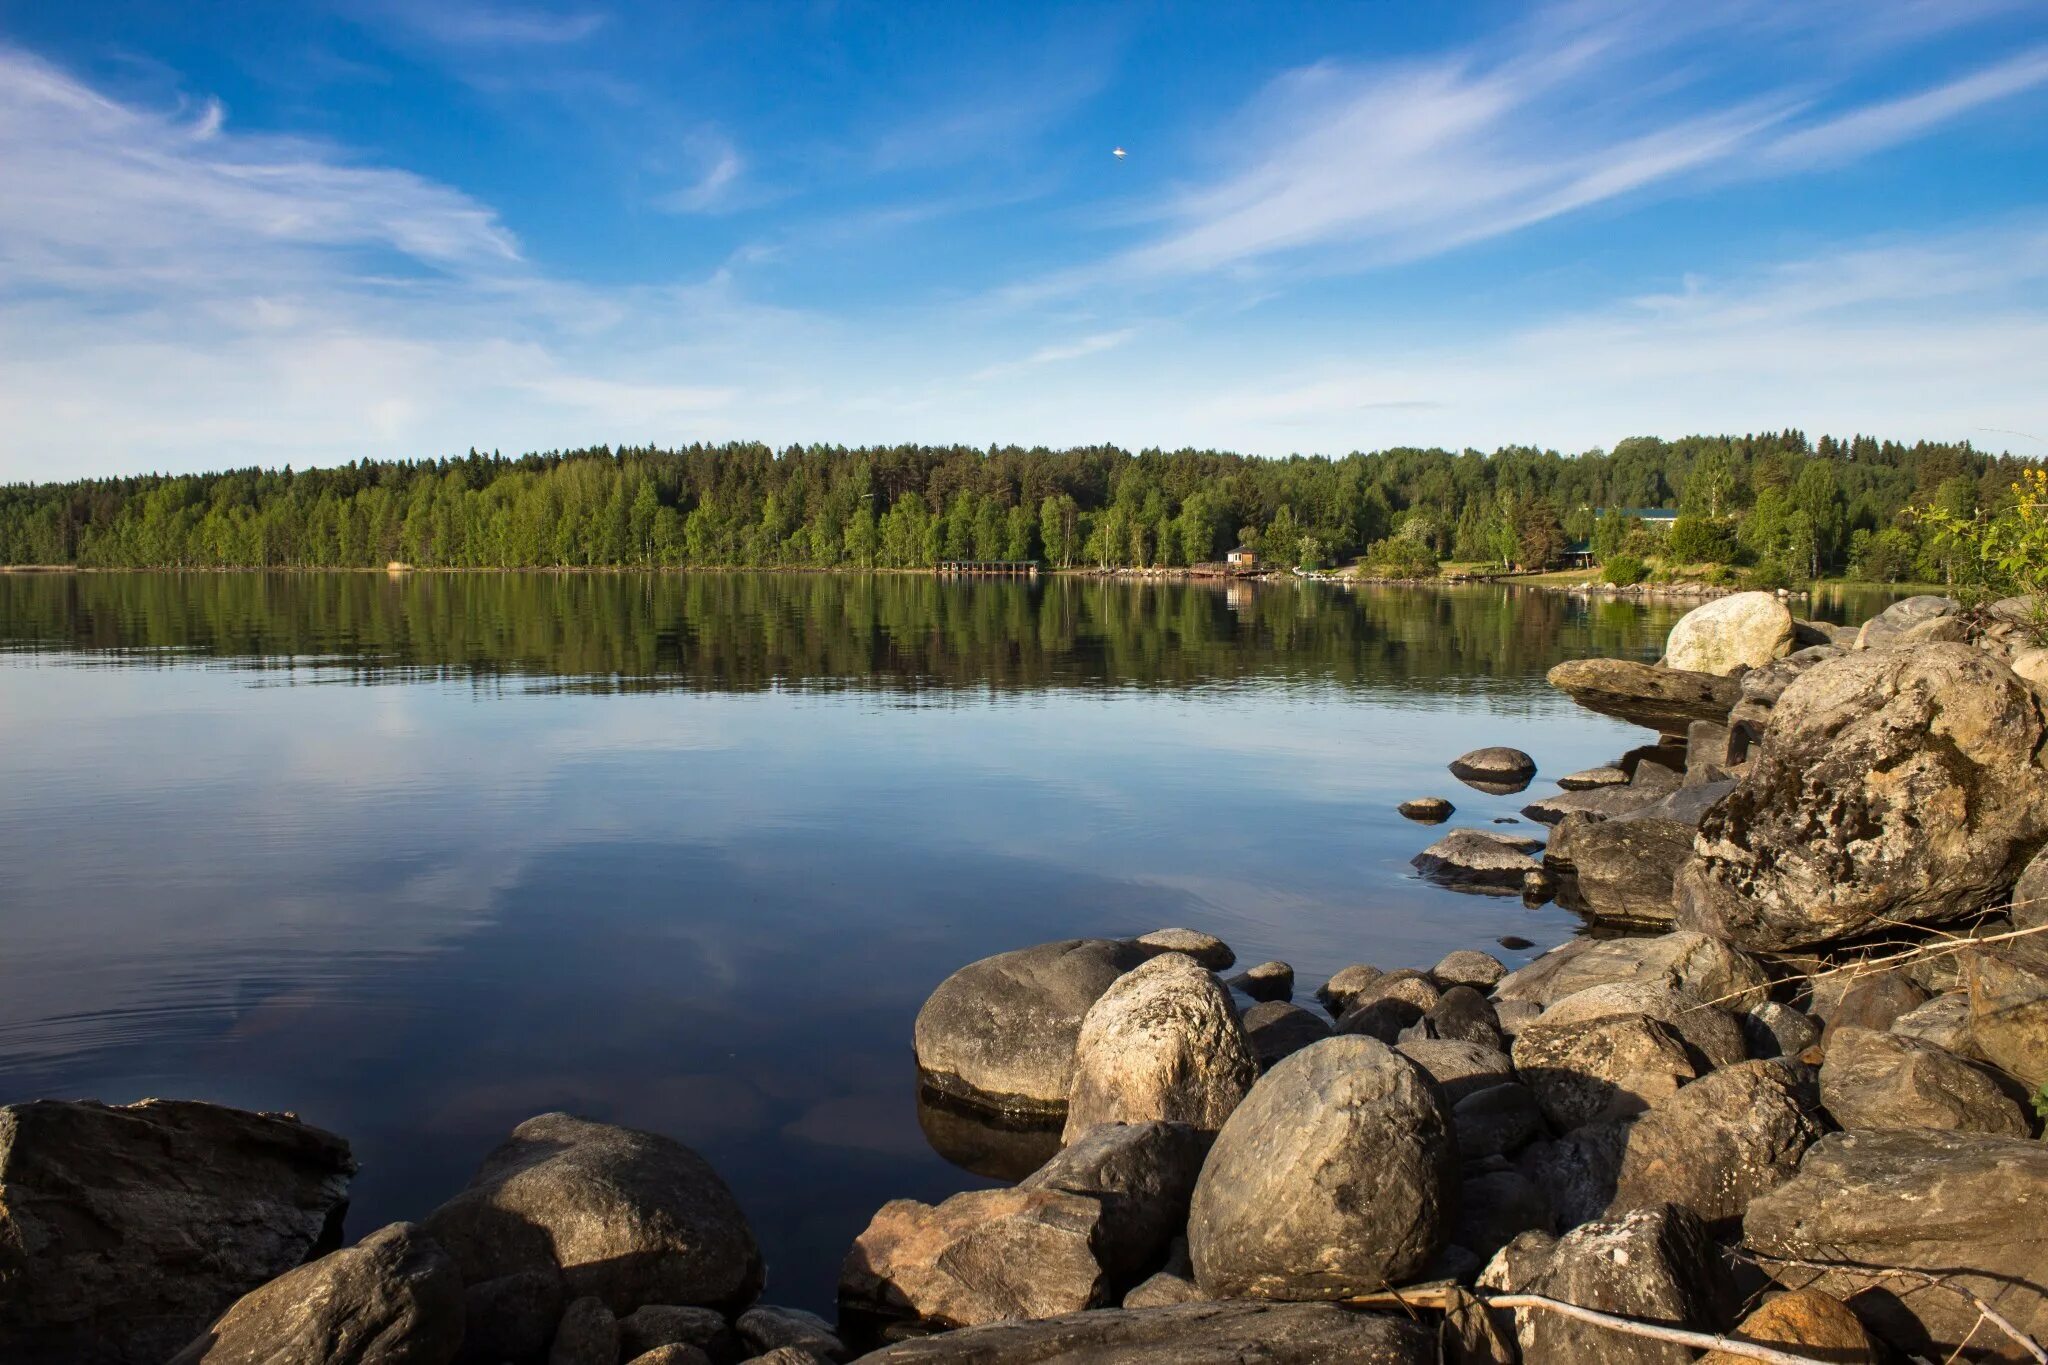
[1793, 1115]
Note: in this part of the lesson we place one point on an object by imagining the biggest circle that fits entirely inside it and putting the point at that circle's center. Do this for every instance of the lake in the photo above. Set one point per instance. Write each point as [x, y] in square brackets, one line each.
[419, 857]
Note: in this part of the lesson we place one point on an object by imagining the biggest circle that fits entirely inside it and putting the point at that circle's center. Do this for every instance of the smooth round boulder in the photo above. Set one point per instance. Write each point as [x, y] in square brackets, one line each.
[1468, 967]
[1730, 634]
[1163, 1043]
[1892, 786]
[999, 1033]
[1335, 1177]
[1207, 949]
[627, 1217]
[1340, 991]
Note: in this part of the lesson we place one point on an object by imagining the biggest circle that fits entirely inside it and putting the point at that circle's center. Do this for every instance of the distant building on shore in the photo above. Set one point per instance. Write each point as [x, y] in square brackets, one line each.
[1241, 558]
[1655, 518]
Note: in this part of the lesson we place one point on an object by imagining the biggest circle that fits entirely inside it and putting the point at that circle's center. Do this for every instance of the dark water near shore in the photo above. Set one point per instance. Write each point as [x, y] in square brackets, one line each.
[417, 858]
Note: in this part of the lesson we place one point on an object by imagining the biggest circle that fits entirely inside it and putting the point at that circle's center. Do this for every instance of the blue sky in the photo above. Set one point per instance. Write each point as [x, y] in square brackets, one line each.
[241, 233]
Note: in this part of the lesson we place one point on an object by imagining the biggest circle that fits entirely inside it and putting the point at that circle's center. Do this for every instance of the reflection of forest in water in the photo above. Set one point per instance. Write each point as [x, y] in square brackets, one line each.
[738, 632]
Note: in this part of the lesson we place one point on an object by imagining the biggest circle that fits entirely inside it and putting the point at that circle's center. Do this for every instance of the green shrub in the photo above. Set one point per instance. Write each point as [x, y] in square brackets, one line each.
[1622, 570]
[1770, 574]
[1400, 557]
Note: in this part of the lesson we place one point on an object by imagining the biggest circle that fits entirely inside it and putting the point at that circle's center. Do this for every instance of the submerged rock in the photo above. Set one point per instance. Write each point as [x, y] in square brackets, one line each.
[1478, 860]
[628, 1217]
[1163, 1042]
[1335, 1177]
[1730, 634]
[1428, 810]
[104, 1210]
[1593, 779]
[1182, 1334]
[1891, 786]
[1000, 1032]
[1498, 770]
[1968, 1207]
[392, 1299]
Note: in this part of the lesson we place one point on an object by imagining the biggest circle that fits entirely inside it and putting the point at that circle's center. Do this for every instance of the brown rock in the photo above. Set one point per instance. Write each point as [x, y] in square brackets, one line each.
[1810, 1324]
[981, 1256]
[1721, 1141]
[1881, 1080]
[1232, 1333]
[1163, 1043]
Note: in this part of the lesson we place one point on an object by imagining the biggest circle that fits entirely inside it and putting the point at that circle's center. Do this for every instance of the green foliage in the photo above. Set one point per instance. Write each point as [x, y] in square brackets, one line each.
[2003, 548]
[1401, 557]
[1624, 569]
[1778, 496]
[1702, 540]
[1770, 575]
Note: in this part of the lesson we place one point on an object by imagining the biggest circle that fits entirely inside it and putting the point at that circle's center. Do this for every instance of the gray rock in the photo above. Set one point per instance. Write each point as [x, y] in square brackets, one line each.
[1162, 1289]
[1599, 803]
[1662, 699]
[1730, 635]
[2008, 991]
[767, 1328]
[679, 1354]
[1881, 1080]
[1655, 1264]
[1335, 1177]
[587, 1335]
[1000, 1032]
[1891, 786]
[1465, 1015]
[1277, 1029]
[1692, 962]
[1968, 1207]
[1720, 1142]
[1267, 981]
[1182, 1334]
[1943, 1022]
[2029, 907]
[1143, 1174]
[1163, 1042]
[1592, 779]
[1339, 991]
[512, 1318]
[1515, 1015]
[1580, 1170]
[1688, 805]
[1872, 1001]
[1428, 810]
[1459, 1068]
[655, 1325]
[393, 1299]
[1496, 1121]
[1495, 767]
[1610, 1067]
[1478, 860]
[627, 1217]
[1468, 967]
[979, 1257]
[1886, 628]
[1710, 1033]
[1495, 1207]
[1710, 752]
[102, 1209]
[1207, 949]
[1775, 1030]
[1618, 871]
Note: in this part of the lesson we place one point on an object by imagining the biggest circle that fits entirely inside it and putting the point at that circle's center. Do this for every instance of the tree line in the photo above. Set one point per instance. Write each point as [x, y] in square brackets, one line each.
[1776, 500]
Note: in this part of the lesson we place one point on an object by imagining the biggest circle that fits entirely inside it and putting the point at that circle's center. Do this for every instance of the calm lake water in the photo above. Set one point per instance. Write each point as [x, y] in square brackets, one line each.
[417, 858]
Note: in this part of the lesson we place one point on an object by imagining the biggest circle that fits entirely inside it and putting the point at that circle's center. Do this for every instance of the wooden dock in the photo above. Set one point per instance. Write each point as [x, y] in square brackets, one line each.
[987, 568]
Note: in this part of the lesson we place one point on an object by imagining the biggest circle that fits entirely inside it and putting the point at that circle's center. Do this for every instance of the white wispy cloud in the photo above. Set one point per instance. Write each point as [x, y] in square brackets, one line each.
[1054, 354]
[1890, 122]
[713, 190]
[476, 23]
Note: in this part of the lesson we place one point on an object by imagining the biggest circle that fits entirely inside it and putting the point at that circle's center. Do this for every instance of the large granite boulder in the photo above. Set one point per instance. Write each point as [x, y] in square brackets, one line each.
[627, 1217]
[1181, 1334]
[1000, 1032]
[1467, 967]
[1721, 1141]
[1618, 871]
[1730, 634]
[1164, 1042]
[1683, 960]
[1710, 1032]
[1882, 1080]
[1335, 1177]
[1889, 626]
[979, 1257]
[1890, 786]
[1663, 699]
[125, 1229]
[1655, 1264]
[392, 1299]
[1143, 1174]
[1969, 1208]
[1479, 860]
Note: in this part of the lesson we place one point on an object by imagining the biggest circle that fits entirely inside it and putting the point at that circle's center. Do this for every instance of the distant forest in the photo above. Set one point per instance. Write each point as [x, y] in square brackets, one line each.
[1777, 503]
